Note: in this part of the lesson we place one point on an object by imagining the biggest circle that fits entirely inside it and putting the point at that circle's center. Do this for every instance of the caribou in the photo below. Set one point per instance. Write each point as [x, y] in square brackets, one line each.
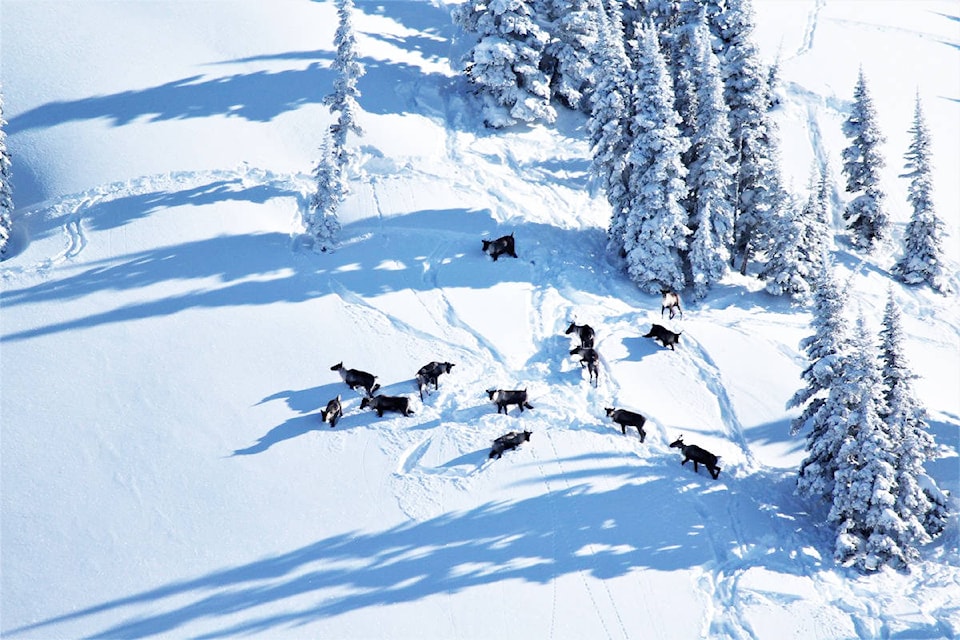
[356, 378]
[698, 455]
[589, 358]
[429, 373]
[380, 404]
[666, 337]
[500, 246]
[503, 398]
[508, 442]
[584, 332]
[333, 412]
[628, 419]
[671, 301]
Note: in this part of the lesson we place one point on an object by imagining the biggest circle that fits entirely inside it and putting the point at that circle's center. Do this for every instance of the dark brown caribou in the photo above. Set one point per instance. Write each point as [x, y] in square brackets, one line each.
[698, 455]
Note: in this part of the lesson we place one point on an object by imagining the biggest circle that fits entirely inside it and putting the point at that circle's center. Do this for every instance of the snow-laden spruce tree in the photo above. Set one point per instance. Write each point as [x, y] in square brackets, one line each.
[323, 224]
[609, 123]
[870, 533]
[568, 56]
[817, 240]
[920, 504]
[504, 65]
[866, 213]
[685, 61]
[6, 187]
[710, 174]
[922, 260]
[329, 174]
[774, 83]
[655, 229]
[786, 271]
[757, 185]
[825, 351]
[800, 241]
[348, 71]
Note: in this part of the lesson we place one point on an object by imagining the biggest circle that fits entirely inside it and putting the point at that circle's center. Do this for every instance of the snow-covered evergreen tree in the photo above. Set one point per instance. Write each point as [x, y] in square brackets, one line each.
[685, 61]
[505, 63]
[713, 13]
[920, 504]
[655, 229]
[816, 214]
[329, 174]
[323, 224]
[825, 351]
[786, 271]
[609, 122]
[758, 184]
[774, 84]
[870, 533]
[799, 244]
[922, 260]
[6, 187]
[710, 174]
[866, 213]
[348, 70]
[568, 58]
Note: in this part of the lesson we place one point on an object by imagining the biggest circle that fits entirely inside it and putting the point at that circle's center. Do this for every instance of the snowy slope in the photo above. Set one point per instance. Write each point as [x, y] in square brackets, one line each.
[165, 347]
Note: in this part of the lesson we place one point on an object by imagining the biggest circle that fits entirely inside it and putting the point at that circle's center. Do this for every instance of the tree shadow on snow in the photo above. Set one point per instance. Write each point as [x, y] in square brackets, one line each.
[420, 251]
[944, 467]
[261, 95]
[777, 432]
[721, 526]
[117, 212]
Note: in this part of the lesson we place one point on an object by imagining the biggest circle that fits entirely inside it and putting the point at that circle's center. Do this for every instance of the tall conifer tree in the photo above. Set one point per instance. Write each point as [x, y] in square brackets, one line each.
[920, 504]
[655, 230]
[330, 173]
[786, 271]
[922, 260]
[801, 241]
[710, 176]
[758, 186]
[870, 533]
[609, 122]
[866, 213]
[825, 350]
[569, 56]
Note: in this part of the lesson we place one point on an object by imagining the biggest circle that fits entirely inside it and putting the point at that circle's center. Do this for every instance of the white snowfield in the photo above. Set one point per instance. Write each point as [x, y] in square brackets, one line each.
[166, 347]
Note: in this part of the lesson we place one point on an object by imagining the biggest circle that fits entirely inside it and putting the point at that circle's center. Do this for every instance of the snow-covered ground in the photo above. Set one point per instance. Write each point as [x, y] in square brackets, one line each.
[165, 347]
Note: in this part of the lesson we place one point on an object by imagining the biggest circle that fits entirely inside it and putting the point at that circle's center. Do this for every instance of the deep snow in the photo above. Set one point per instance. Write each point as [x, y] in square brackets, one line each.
[165, 347]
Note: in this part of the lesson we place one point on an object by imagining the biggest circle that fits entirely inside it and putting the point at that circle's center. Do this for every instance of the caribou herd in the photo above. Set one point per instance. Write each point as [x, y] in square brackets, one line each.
[427, 378]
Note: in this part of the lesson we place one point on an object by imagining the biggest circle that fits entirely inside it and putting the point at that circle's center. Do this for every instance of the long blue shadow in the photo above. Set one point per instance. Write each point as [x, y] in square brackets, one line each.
[261, 96]
[447, 242]
[536, 540]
